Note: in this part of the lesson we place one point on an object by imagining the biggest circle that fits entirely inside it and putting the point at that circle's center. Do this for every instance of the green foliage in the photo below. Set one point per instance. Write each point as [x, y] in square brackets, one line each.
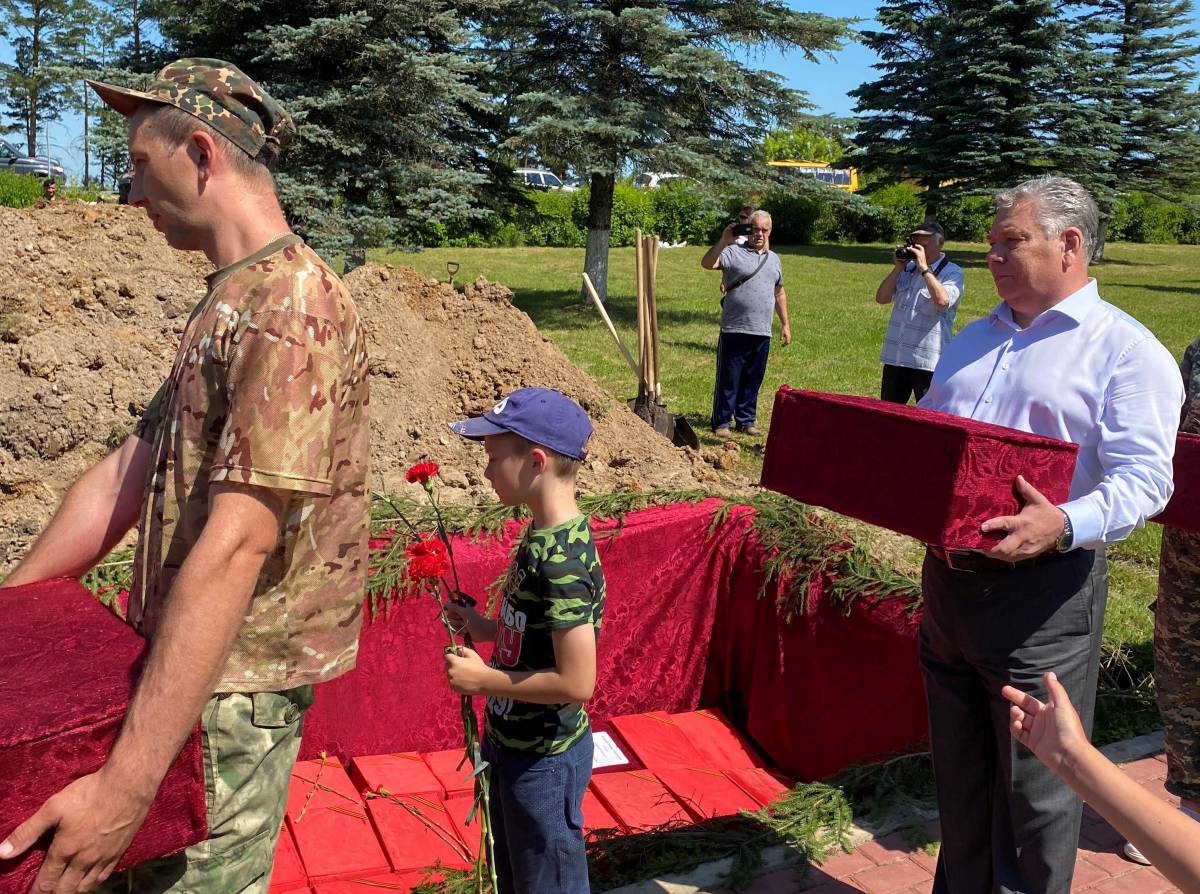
[1142, 217]
[802, 144]
[964, 217]
[19, 190]
[902, 206]
[684, 214]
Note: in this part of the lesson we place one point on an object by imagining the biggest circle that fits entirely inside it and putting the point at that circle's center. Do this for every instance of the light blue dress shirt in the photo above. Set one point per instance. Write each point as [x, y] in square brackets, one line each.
[1083, 371]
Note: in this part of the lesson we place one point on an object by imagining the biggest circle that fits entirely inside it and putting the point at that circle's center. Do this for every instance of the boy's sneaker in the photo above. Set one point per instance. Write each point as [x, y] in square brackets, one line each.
[1132, 853]
[723, 432]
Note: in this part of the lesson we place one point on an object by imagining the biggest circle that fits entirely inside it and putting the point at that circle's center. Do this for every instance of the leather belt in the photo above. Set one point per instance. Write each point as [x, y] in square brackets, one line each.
[972, 561]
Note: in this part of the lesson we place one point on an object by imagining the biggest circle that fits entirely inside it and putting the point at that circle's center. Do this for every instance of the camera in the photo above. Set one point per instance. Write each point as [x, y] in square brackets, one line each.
[905, 252]
[741, 229]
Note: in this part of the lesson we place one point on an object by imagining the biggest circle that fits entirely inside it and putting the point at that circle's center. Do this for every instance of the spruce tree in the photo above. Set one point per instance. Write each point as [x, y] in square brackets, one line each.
[608, 84]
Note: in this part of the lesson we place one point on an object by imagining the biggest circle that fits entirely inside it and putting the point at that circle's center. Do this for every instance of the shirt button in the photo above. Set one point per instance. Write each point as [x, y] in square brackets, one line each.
[987, 400]
[1005, 366]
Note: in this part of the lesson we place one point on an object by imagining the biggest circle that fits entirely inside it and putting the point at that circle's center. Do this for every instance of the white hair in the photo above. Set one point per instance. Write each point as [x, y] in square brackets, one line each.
[761, 213]
[1058, 203]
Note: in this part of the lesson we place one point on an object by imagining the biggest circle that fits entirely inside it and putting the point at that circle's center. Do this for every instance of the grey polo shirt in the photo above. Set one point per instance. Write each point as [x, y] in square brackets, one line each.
[749, 307]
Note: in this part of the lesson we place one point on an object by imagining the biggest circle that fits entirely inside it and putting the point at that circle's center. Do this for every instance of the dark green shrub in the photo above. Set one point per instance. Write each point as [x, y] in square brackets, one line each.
[966, 218]
[19, 190]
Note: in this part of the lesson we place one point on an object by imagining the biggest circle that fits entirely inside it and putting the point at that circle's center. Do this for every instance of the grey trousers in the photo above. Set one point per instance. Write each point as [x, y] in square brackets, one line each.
[1009, 825]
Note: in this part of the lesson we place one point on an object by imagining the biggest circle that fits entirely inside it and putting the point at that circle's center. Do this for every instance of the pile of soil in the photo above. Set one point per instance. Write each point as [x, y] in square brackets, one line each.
[92, 304]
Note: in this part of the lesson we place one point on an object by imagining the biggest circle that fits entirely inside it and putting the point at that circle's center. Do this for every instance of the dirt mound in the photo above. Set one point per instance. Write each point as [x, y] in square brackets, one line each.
[92, 302]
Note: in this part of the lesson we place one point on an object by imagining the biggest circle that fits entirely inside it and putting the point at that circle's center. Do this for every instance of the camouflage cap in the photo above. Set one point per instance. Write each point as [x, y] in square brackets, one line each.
[216, 92]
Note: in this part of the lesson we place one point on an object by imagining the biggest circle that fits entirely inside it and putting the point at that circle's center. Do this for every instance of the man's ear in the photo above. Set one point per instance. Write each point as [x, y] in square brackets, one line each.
[205, 153]
[1072, 246]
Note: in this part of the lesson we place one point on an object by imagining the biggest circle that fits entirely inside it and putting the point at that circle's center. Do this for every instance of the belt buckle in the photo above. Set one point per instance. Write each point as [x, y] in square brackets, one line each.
[960, 553]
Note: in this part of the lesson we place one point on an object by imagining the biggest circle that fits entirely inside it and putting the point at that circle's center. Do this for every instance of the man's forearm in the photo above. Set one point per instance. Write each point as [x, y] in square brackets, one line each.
[887, 288]
[96, 512]
[713, 255]
[781, 307]
[204, 611]
[937, 291]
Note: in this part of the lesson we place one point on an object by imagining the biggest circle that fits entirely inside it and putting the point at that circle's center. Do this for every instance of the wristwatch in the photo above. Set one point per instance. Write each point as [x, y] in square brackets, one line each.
[924, 270]
[1064, 539]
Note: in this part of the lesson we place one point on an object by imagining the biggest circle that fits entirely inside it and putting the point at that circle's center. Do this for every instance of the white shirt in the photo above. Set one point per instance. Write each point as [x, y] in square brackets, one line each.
[1082, 371]
[918, 329]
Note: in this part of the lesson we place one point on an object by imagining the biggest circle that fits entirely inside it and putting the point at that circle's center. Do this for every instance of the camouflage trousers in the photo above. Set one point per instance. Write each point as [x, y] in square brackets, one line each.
[250, 745]
[1177, 658]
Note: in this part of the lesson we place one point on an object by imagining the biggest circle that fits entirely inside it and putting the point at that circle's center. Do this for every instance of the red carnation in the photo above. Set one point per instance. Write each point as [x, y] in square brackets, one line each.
[427, 558]
[421, 473]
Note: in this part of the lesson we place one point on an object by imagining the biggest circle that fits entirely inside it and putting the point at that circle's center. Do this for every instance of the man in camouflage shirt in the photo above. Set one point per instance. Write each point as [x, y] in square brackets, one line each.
[1177, 634]
[247, 479]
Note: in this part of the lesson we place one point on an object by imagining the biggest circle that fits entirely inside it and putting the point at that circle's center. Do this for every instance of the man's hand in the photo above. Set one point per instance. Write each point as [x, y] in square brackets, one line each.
[919, 256]
[465, 672]
[93, 820]
[785, 334]
[1031, 532]
[728, 237]
[1052, 731]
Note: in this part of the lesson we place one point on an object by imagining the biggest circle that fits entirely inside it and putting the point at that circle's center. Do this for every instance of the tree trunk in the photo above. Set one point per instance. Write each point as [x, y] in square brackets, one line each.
[87, 154]
[1101, 236]
[599, 236]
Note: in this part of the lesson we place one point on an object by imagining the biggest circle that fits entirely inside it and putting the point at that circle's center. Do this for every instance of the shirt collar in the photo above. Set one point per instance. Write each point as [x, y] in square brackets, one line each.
[1076, 307]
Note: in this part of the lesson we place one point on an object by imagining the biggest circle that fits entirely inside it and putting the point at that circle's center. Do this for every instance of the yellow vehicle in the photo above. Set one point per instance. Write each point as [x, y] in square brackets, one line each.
[839, 178]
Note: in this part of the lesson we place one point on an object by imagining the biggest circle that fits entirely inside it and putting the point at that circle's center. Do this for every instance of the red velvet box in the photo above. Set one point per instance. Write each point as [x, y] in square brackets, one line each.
[455, 779]
[1184, 509]
[721, 746]
[762, 785]
[287, 872]
[638, 800]
[403, 773]
[705, 793]
[320, 783]
[657, 740]
[417, 832]
[932, 476]
[402, 882]
[596, 816]
[70, 668]
[459, 808]
[337, 842]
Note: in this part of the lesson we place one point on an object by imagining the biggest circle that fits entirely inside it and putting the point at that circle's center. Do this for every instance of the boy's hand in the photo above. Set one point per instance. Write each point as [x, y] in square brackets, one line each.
[465, 672]
[461, 617]
[1051, 730]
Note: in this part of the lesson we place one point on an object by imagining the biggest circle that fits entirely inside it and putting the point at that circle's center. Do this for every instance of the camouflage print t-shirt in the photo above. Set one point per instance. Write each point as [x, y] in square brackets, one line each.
[269, 389]
[555, 582]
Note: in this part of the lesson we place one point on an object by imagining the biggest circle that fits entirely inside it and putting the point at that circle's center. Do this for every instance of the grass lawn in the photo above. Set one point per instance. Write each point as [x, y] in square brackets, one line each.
[837, 329]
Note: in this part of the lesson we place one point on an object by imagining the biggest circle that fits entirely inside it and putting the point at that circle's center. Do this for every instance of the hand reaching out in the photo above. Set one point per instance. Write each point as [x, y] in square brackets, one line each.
[1051, 730]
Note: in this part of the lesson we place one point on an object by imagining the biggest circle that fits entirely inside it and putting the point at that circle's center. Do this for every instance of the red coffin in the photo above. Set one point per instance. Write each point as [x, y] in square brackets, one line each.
[930, 475]
[1184, 509]
[61, 713]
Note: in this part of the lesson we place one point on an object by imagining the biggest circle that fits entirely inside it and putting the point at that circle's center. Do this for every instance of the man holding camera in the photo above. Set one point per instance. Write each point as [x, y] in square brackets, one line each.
[752, 279]
[923, 288]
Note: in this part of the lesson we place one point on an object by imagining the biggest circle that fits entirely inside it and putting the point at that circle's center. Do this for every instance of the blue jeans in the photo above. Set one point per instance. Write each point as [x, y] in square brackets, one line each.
[537, 818]
[741, 364]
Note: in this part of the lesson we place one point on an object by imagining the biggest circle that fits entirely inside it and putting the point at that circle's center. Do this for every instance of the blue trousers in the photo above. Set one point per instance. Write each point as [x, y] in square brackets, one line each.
[537, 818]
[741, 364]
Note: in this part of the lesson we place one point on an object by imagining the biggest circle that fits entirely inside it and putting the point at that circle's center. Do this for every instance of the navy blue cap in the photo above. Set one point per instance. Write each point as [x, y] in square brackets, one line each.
[540, 415]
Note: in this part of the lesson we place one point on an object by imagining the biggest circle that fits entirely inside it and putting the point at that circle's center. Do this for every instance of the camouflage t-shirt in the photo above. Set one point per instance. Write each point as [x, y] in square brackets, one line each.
[268, 389]
[1190, 367]
[555, 582]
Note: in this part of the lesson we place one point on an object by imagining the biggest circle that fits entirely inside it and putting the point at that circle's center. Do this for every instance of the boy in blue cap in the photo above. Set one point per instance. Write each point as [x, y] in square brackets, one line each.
[543, 667]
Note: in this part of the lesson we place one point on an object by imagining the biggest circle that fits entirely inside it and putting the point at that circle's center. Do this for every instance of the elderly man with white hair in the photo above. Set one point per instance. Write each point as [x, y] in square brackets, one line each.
[1053, 359]
[752, 280]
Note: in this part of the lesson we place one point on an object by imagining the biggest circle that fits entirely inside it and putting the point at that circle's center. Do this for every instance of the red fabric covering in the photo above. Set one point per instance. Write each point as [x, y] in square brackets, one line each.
[70, 668]
[459, 808]
[656, 739]
[1184, 509]
[452, 771]
[706, 792]
[417, 832]
[855, 455]
[595, 815]
[760, 784]
[375, 884]
[638, 800]
[719, 744]
[683, 627]
[337, 842]
[287, 872]
[403, 773]
[320, 783]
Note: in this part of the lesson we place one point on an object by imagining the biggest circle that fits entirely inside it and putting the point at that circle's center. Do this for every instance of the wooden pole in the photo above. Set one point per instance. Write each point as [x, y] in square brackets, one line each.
[591, 290]
[654, 312]
[639, 264]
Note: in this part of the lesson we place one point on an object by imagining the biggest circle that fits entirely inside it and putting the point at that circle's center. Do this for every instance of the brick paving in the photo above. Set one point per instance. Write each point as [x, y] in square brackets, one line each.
[895, 864]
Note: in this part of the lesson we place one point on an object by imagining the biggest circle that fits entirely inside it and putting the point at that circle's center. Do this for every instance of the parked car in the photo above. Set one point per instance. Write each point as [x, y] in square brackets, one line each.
[18, 162]
[540, 178]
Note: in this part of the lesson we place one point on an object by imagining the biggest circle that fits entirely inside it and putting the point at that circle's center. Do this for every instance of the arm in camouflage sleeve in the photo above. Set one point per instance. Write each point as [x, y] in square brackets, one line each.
[96, 512]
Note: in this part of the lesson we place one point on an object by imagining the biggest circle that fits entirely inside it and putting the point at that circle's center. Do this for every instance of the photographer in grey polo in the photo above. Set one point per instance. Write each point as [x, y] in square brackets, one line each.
[923, 288]
[752, 279]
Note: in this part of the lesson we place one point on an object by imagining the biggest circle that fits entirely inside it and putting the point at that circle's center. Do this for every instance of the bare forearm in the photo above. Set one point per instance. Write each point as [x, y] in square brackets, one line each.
[781, 307]
[713, 255]
[937, 291]
[887, 288]
[544, 687]
[204, 611]
[1168, 838]
[96, 512]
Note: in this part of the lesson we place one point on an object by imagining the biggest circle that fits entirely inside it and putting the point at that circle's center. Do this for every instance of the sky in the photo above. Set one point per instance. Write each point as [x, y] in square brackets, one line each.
[826, 82]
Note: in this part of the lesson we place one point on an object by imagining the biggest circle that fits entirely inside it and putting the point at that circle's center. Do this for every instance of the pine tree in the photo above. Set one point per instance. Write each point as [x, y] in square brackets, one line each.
[1147, 53]
[43, 33]
[606, 84]
[392, 124]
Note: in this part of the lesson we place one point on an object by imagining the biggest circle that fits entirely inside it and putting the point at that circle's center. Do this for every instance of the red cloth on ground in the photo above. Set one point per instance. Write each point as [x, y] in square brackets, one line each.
[1184, 509]
[719, 743]
[320, 783]
[402, 773]
[595, 815]
[684, 627]
[417, 832]
[930, 475]
[459, 807]
[760, 784]
[287, 872]
[452, 770]
[656, 739]
[638, 800]
[337, 842]
[401, 882]
[706, 792]
[70, 669]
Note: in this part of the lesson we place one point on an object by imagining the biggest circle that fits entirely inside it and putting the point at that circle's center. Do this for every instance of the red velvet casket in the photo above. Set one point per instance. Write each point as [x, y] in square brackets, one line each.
[930, 475]
[1184, 509]
[70, 667]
